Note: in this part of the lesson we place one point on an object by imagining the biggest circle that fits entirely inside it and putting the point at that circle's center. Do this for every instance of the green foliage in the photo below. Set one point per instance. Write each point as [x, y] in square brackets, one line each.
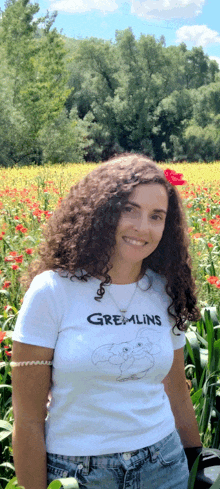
[202, 355]
[138, 93]
[34, 61]
[64, 139]
[130, 95]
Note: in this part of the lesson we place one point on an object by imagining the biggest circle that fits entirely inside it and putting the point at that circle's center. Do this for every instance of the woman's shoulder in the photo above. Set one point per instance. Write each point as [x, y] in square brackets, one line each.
[45, 279]
[56, 280]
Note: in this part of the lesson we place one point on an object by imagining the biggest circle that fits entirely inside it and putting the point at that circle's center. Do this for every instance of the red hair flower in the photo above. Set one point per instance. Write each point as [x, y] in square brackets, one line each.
[173, 177]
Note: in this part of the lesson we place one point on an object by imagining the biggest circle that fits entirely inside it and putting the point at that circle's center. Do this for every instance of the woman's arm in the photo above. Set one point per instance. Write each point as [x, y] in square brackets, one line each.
[177, 391]
[31, 385]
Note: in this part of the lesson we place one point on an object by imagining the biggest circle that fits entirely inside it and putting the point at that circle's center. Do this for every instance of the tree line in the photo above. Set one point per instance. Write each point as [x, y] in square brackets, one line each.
[64, 100]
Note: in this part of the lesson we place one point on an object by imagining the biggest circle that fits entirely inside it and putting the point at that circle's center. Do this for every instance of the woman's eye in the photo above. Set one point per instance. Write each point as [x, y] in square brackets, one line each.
[157, 217]
[128, 209]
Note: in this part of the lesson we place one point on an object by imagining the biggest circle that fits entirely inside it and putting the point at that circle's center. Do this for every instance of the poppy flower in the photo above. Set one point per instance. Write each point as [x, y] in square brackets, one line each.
[18, 227]
[29, 251]
[2, 335]
[212, 280]
[6, 284]
[173, 177]
[18, 259]
[14, 267]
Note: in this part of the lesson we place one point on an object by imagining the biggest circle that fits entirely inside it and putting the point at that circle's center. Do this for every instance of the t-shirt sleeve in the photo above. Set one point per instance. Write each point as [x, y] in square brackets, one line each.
[178, 341]
[40, 314]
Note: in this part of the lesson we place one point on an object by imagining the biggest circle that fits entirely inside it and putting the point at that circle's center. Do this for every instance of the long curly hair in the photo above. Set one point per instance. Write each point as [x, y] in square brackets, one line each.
[79, 238]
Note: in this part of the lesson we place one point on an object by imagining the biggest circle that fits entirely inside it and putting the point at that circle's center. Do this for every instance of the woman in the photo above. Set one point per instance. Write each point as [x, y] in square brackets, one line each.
[106, 306]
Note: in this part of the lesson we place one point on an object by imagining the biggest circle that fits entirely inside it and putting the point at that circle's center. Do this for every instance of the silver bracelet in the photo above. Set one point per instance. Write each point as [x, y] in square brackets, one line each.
[23, 364]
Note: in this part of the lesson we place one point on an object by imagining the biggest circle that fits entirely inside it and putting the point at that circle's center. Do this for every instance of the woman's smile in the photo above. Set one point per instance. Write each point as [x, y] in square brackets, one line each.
[134, 241]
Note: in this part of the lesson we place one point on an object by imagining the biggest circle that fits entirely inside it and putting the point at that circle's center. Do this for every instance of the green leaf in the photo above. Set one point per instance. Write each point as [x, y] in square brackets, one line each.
[13, 483]
[6, 425]
[7, 464]
[7, 386]
[196, 396]
[4, 434]
[193, 472]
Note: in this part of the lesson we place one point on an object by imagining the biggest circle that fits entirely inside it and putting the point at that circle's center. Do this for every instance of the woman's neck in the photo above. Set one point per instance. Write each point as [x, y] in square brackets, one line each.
[124, 275]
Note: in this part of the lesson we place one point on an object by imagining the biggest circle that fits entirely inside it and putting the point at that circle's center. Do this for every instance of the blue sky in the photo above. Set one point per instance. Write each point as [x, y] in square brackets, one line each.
[195, 22]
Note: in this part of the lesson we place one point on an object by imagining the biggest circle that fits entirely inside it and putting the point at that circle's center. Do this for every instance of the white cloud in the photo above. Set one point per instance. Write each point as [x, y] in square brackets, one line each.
[215, 58]
[81, 6]
[198, 35]
[166, 9]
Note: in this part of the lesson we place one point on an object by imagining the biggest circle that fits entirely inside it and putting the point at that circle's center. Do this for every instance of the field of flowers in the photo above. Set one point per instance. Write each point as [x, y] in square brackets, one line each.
[28, 197]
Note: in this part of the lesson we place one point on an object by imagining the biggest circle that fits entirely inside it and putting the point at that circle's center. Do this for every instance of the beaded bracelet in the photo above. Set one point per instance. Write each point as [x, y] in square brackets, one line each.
[23, 364]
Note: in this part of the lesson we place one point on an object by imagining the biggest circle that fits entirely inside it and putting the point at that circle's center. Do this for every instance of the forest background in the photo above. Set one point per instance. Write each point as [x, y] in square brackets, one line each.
[63, 99]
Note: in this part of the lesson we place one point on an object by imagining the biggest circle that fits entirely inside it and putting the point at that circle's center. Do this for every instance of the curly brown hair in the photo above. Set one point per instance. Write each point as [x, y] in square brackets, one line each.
[80, 235]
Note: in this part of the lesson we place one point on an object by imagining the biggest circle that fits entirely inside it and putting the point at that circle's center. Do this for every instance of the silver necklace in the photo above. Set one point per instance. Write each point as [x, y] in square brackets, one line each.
[123, 311]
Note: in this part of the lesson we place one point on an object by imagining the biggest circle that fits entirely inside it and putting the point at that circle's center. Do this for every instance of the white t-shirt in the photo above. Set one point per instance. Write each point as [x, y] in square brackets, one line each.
[106, 393]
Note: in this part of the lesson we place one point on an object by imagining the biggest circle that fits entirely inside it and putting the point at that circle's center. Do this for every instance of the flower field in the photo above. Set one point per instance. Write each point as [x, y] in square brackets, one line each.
[28, 197]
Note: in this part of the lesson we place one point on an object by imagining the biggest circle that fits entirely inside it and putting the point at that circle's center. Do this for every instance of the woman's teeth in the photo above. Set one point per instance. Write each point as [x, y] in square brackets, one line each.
[134, 241]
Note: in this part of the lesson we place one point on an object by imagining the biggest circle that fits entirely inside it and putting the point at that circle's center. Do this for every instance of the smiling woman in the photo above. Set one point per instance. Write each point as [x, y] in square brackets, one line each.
[139, 231]
[107, 302]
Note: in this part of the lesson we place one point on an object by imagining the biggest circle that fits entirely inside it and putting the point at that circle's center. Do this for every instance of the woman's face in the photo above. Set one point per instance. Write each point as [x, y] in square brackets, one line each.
[141, 225]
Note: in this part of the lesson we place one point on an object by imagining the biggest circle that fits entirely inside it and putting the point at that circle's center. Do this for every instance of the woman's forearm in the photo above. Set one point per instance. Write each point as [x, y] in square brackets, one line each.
[186, 423]
[29, 454]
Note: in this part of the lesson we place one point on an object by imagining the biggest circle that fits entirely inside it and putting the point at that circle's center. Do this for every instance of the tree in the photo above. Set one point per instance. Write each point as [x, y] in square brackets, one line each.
[35, 59]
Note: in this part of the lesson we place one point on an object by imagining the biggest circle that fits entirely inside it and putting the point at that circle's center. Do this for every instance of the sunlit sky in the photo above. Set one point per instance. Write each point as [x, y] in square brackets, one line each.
[195, 22]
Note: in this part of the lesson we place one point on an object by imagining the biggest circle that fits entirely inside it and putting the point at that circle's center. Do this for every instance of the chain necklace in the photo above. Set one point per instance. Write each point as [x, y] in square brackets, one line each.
[123, 311]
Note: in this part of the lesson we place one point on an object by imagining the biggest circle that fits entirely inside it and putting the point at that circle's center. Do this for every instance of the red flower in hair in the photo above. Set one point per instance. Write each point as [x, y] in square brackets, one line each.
[173, 177]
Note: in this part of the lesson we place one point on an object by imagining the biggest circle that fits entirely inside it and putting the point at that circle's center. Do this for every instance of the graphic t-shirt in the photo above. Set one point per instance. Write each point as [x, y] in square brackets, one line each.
[107, 394]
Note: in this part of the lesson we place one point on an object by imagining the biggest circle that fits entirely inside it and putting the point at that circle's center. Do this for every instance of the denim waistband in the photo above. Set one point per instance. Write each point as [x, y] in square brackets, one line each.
[149, 451]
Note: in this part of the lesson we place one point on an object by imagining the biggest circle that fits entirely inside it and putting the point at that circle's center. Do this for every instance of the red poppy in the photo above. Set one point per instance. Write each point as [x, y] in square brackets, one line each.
[2, 335]
[14, 267]
[29, 251]
[210, 245]
[8, 353]
[18, 227]
[6, 284]
[173, 177]
[19, 259]
[212, 280]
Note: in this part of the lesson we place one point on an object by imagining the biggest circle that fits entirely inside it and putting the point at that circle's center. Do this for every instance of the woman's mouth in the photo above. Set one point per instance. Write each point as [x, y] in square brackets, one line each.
[134, 241]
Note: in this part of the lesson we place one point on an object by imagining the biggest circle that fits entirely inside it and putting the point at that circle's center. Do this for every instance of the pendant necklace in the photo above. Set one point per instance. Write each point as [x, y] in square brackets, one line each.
[123, 319]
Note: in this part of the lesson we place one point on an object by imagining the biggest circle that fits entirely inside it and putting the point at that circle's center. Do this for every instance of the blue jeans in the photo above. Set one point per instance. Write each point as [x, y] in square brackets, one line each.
[159, 466]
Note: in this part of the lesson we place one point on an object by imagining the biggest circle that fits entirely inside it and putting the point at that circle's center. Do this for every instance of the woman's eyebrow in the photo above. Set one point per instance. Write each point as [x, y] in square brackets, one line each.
[154, 210]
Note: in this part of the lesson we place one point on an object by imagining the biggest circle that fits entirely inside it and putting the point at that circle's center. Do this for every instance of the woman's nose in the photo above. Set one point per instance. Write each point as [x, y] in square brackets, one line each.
[142, 224]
